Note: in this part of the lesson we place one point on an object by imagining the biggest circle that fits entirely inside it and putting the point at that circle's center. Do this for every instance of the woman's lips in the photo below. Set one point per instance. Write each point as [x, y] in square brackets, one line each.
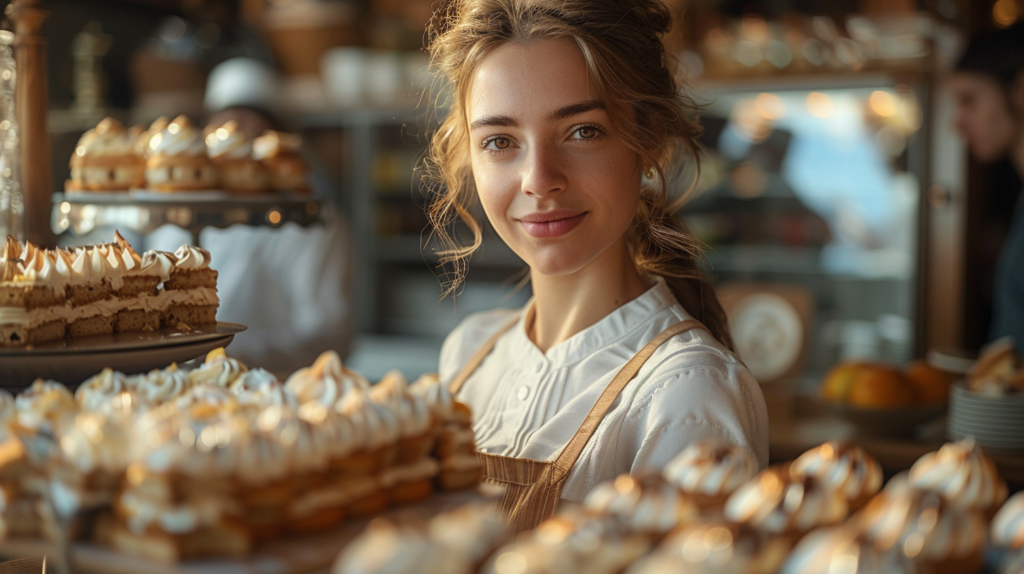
[551, 224]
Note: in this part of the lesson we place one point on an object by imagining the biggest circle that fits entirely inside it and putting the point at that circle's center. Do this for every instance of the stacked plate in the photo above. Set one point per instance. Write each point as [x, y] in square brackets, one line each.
[994, 422]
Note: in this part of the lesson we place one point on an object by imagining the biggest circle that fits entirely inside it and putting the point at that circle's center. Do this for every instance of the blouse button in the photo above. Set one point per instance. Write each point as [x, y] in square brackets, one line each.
[524, 392]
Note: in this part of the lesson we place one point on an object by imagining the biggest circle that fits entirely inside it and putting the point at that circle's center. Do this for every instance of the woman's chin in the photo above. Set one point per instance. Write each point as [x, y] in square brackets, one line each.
[556, 262]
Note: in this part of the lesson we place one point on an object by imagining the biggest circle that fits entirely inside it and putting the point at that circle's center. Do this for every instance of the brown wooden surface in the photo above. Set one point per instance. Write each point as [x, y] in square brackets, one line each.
[792, 430]
[32, 103]
[308, 554]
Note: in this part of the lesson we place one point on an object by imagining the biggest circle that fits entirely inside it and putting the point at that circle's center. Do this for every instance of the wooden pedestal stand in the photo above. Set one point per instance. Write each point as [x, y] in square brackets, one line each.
[32, 104]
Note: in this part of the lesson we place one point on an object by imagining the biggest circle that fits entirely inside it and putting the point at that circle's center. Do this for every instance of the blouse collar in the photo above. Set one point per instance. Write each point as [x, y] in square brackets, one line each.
[609, 330]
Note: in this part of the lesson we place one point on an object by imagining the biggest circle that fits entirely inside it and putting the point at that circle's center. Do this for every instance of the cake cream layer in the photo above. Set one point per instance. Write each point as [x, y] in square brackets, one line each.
[159, 302]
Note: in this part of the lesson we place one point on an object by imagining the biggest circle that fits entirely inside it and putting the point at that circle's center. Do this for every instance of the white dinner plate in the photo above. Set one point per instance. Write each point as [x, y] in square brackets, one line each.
[74, 360]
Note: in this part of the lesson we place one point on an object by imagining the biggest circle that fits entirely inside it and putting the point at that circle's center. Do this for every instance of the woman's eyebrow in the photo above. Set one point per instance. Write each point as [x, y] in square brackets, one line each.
[559, 114]
[501, 121]
[575, 109]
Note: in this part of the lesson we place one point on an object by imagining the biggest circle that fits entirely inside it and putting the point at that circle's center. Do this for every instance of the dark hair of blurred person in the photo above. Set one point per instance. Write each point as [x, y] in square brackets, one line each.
[987, 86]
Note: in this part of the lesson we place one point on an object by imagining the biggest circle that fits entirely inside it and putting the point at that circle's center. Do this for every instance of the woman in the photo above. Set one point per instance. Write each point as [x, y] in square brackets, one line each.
[567, 124]
[988, 88]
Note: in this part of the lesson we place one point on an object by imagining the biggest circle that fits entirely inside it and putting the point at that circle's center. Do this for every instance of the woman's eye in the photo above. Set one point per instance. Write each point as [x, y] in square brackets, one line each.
[498, 143]
[587, 133]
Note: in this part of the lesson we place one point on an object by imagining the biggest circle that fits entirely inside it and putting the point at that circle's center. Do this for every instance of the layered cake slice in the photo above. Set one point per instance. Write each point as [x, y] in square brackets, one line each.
[50, 294]
[191, 289]
[137, 291]
[32, 296]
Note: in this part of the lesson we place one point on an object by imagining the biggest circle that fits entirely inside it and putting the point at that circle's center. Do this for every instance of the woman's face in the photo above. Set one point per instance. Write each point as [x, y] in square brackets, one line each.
[984, 117]
[556, 181]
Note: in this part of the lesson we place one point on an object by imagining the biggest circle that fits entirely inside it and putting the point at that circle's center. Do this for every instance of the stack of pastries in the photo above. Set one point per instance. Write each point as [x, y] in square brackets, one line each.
[712, 513]
[175, 156]
[176, 464]
[50, 294]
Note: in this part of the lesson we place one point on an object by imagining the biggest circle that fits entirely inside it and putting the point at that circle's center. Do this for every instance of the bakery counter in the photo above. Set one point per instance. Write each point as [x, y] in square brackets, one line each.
[313, 553]
[794, 427]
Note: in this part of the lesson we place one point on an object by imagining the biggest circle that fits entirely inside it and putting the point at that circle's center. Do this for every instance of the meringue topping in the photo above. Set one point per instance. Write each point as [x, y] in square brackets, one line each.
[847, 468]
[645, 504]
[179, 138]
[1008, 523]
[962, 474]
[779, 501]
[228, 142]
[711, 468]
[411, 410]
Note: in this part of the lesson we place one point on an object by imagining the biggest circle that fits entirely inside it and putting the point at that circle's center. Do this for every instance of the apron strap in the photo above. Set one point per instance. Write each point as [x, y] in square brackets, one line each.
[479, 357]
[567, 458]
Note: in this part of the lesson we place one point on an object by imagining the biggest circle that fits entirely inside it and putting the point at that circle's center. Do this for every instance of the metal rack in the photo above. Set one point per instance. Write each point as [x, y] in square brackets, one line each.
[144, 212]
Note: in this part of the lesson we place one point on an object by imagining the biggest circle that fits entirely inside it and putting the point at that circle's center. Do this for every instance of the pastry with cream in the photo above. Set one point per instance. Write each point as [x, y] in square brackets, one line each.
[177, 159]
[1008, 523]
[192, 287]
[648, 504]
[387, 547]
[279, 154]
[846, 468]
[33, 296]
[50, 294]
[106, 159]
[781, 502]
[933, 534]
[231, 151]
[710, 471]
[963, 475]
[716, 546]
[828, 549]
[574, 540]
[455, 447]
[471, 532]
[411, 474]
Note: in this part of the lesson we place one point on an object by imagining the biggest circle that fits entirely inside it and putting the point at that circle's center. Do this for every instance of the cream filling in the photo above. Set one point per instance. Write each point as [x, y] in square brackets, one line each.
[159, 302]
[338, 495]
[426, 468]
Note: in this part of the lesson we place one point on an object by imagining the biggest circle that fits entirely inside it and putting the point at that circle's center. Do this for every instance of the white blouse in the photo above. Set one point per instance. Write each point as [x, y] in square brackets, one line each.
[529, 404]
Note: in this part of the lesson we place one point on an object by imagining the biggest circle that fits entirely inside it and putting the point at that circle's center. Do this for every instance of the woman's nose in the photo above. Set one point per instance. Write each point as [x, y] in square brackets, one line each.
[543, 172]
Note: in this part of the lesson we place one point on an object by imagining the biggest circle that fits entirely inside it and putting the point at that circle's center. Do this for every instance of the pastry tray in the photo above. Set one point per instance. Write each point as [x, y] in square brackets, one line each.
[73, 360]
[309, 553]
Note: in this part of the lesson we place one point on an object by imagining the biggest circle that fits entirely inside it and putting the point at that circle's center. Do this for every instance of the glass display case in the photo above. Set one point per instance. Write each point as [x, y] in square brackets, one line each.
[812, 186]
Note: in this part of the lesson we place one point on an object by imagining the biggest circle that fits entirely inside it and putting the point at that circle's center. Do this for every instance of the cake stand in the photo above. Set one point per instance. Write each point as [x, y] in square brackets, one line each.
[144, 211]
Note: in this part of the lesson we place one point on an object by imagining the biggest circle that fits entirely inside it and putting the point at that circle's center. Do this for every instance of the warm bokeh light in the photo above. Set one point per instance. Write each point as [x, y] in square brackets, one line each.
[820, 105]
[1005, 12]
[769, 106]
[274, 217]
[883, 103]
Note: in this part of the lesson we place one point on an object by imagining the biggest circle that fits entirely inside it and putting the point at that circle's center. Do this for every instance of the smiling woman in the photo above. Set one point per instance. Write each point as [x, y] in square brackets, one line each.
[568, 127]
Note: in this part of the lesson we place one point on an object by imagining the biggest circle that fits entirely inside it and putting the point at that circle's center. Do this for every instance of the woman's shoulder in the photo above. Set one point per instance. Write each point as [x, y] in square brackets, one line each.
[696, 387]
[694, 368]
[467, 337]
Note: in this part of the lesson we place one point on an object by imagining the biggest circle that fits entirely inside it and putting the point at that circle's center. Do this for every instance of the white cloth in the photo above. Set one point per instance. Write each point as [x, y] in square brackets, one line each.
[290, 286]
[529, 404]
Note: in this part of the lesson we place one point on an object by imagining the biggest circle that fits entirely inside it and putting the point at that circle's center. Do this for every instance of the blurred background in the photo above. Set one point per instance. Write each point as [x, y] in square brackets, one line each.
[842, 217]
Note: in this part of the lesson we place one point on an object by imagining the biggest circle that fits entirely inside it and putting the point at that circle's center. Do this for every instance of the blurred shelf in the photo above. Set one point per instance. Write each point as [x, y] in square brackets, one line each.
[411, 249]
[409, 113]
[826, 80]
[782, 260]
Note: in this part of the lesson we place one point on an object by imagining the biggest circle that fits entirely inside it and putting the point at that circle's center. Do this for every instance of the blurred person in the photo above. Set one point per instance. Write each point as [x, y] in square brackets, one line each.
[988, 88]
[289, 285]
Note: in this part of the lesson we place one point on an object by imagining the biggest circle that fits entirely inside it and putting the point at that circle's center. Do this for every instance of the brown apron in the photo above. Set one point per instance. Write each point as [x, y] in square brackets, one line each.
[533, 488]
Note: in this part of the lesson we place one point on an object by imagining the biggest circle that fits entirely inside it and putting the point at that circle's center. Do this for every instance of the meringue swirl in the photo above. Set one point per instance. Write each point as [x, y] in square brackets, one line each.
[645, 504]
[779, 501]
[847, 468]
[1008, 523]
[962, 474]
[711, 468]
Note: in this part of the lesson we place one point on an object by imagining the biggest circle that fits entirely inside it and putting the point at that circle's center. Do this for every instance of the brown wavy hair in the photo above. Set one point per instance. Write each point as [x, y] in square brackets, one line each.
[621, 43]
